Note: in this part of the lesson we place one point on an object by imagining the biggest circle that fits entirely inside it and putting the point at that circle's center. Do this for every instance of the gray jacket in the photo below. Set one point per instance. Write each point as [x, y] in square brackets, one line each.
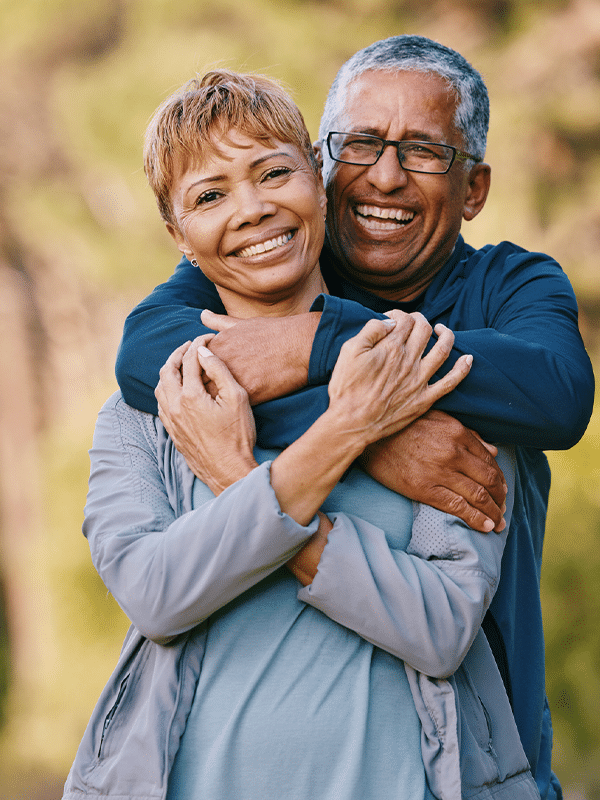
[425, 606]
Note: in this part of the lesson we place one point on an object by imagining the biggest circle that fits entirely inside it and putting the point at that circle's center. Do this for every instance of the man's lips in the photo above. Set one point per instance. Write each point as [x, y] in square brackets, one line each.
[266, 246]
[381, 218]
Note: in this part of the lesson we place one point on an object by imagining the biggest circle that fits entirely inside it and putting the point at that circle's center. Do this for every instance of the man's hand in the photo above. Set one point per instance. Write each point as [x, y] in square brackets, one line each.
[268, 356]
[438, 461]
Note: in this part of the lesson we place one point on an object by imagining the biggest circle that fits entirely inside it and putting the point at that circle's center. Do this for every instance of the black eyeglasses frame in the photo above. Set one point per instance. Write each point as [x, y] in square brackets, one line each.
[457, 155]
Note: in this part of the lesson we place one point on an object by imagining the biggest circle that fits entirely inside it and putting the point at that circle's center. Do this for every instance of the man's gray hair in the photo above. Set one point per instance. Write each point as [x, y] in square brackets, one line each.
[417, 54]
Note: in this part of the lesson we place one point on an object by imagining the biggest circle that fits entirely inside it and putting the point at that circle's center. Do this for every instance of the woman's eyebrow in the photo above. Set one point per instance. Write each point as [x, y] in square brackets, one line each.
[257, 162]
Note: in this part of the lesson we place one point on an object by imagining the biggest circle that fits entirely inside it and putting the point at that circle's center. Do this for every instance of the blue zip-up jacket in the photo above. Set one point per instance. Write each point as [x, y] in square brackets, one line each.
[531, 385]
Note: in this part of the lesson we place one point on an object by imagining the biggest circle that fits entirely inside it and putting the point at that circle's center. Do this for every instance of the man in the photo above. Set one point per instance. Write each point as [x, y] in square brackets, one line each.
[402, 143]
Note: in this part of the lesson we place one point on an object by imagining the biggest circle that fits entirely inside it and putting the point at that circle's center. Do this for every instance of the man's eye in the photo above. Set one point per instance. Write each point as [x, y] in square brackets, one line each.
[363, 144]
[423, 151]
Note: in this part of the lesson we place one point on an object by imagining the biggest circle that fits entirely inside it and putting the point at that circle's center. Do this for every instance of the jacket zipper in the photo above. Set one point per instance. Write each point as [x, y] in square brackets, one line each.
[112, 712]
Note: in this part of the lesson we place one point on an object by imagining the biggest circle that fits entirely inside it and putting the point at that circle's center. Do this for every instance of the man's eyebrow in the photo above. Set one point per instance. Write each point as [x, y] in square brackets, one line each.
[411, 135]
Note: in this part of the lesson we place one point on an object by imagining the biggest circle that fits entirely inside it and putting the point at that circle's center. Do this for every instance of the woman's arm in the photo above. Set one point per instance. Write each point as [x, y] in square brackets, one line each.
[379, 385]
[169, 574]
[170, 567]
[425, 605]
[362, 583]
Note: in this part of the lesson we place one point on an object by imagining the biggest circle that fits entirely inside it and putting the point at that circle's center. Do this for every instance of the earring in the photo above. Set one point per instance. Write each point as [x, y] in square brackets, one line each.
[194, 262]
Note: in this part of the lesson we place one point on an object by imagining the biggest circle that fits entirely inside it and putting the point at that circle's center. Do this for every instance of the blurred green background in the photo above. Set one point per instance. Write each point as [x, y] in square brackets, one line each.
[81, 243]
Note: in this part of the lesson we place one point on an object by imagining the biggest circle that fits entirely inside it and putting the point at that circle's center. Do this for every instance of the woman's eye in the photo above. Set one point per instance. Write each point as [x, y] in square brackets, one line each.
[208, 197]
[276, 172]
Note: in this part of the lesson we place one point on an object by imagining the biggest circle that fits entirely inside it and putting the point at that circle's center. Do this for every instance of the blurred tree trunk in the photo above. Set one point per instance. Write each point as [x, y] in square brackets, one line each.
[31, 153]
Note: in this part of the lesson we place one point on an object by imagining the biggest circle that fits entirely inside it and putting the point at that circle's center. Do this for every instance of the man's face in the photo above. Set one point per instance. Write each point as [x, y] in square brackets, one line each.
[393, 230]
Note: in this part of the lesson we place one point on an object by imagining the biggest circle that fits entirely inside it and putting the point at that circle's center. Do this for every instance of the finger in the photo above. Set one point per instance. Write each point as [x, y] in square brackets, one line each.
[480, 466]
[217, 322]
[170, 375]
[418, 339]
[450, 381]
[439, 352]
[453, 503]
[373, 332]
[227, 386]
[401, 317]
[475, 493]
[190, 366]
[491, 448]
[191, 371]
[173, 362]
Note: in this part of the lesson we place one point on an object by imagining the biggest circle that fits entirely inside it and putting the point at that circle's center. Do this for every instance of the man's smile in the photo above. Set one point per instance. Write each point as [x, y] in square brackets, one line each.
[379, 218]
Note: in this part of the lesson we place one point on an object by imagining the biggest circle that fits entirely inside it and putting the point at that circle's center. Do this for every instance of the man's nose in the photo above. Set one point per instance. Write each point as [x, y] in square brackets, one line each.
[387, 174]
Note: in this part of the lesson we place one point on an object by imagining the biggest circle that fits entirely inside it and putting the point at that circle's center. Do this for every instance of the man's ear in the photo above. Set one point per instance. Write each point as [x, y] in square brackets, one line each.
[318, 149]
[477, 190]
[180, 241]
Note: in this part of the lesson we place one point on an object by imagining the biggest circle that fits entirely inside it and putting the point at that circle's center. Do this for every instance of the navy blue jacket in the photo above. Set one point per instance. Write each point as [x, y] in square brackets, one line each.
[531, 385]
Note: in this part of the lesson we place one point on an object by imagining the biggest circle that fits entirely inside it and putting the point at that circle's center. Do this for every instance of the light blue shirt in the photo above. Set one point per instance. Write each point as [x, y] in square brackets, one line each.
[292, 705]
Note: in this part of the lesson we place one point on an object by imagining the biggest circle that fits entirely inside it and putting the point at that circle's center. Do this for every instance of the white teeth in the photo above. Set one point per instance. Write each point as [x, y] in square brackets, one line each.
[398, 214]
[264, 247]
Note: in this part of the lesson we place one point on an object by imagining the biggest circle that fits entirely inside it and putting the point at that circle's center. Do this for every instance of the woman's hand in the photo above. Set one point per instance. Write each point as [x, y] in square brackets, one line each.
[379, 385]
[216, 435]
[381, 380]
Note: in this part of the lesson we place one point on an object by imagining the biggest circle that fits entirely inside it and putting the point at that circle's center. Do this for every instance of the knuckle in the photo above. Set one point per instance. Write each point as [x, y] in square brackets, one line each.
[480, 496]
[458, 506]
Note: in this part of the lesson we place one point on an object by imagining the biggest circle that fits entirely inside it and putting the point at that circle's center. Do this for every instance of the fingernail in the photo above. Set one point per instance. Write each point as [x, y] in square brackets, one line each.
[488, 525]
[391, 323]
[469, 360]
[204, 351]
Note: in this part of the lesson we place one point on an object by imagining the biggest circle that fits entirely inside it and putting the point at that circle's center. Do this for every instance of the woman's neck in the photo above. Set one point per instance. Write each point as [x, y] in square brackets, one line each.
[282, 305]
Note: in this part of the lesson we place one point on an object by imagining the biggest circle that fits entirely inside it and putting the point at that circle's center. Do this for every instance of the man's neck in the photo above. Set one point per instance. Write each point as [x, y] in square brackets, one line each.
[381, 301]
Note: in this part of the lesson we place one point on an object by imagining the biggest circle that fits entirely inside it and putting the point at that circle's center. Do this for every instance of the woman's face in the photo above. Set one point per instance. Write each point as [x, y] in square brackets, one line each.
[252, 215]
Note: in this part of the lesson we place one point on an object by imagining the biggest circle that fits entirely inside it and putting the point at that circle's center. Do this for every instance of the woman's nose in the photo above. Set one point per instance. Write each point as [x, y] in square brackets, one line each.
[252, 206]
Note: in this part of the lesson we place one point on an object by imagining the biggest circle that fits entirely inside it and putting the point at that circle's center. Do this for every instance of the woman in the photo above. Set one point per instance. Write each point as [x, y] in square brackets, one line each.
[234, 681]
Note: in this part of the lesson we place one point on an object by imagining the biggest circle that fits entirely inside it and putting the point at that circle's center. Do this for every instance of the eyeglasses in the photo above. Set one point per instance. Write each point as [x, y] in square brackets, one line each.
[364, 150]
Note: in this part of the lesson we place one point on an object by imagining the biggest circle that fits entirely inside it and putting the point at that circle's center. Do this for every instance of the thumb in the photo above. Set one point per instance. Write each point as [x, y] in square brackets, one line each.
[218, 373]
[217, 322]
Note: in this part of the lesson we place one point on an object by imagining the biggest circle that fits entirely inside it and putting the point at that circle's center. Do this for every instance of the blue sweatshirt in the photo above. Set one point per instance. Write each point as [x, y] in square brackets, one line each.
[531, 385]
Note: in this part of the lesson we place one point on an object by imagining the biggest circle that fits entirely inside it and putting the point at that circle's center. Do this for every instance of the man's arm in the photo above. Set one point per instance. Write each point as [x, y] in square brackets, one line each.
[532, 382]
[271, 362]
[269, 359]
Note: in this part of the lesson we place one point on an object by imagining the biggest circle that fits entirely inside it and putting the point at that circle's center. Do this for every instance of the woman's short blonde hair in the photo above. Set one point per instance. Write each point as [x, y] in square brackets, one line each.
[186, 126]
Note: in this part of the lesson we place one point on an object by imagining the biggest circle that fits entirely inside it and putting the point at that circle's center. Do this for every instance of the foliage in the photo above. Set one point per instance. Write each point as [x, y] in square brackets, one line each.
[80, 236]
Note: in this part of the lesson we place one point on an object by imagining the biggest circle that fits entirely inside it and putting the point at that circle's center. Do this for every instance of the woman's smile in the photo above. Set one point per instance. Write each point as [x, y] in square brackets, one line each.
[265, 247]
[252, 214]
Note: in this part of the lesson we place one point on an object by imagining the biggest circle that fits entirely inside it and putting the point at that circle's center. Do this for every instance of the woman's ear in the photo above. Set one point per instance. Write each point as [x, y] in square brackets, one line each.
[180, 241]
[477, 190]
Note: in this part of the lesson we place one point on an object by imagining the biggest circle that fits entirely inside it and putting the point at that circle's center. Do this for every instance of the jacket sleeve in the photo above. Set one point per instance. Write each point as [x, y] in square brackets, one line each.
[531, 383]
[425, 605]
[170, 572]
[168, 317]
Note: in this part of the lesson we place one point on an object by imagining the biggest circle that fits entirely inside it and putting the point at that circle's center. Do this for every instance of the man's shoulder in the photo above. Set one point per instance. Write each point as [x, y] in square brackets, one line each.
[505, 263]
[505, 256]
